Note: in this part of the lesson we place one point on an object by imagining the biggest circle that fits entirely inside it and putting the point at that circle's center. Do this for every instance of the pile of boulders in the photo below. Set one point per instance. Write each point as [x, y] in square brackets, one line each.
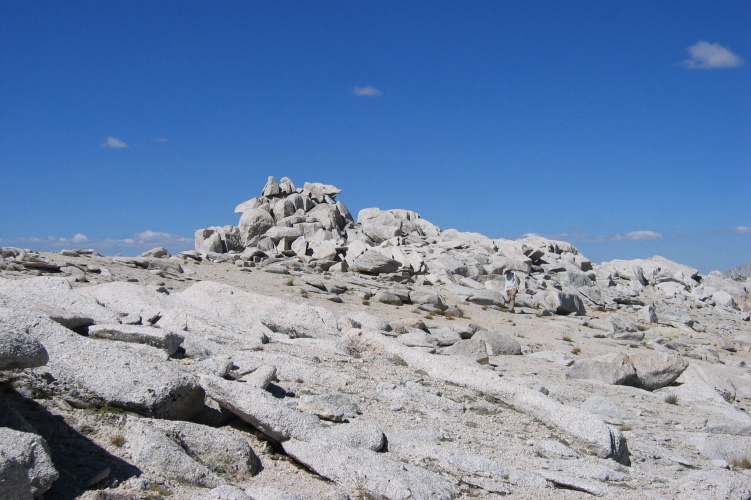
[294, 228]
[308, 223]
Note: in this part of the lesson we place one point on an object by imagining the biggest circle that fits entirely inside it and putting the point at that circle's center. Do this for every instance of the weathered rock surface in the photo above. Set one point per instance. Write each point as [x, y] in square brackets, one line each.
[615, 369]
[55, 298]
[498, 344]
[26, 470]
[357, 468]
[18, 349]
[155, 337]
[190, 452]
[280, 316]
[102, 373]
[261, 409]
[373, 262]
[375, 353]
[657, 369]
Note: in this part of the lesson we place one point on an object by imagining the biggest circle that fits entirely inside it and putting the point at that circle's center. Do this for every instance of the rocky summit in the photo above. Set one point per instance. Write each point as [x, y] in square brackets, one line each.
[303, 354]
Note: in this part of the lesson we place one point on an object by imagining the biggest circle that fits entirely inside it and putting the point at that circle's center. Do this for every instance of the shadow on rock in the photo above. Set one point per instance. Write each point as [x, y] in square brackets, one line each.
[77, 459]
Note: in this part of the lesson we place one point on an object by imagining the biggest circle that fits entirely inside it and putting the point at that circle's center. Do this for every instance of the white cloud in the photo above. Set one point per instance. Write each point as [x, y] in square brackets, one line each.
[367, 91]
[148, 236]
[114, 142]
[642, 235]
[159, 139]
[706, 55]
[142, 241]
[736, 229]
[632, 236]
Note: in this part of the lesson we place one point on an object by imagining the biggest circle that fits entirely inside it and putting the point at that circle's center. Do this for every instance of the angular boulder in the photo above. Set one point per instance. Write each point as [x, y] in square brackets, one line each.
[375, 473]
[271, 188]
[473, 349]
[374, 262]
[427, 298]
[261, 410]
[18, 349]
[319, 191]
[217, 449]
[656, 369]
[387, 297]
[26, 469]
[362, 319]
[561, 303]
[139, 334]
[153, 448]
[104, 374]
[253, 224]
[614, 368]
[498, 344]
[217, 239]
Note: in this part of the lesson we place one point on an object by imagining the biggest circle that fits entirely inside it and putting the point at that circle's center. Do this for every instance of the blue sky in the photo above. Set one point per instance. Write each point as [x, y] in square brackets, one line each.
[623, 127]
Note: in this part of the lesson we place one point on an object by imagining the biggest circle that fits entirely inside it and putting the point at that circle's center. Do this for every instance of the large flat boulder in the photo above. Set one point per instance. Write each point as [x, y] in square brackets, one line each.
[375, 473]
[139, 334]
[130, 299]
[225, 301]
[613, 368]
[657, 369]
[107, 375]
[260, 409]
[560, 302]
[374, 262]
[190, 452]
[56, 299]
[171, 314]
[498, 344]
[102, 373]
[483, 297]
[473, 349]
[152, 448]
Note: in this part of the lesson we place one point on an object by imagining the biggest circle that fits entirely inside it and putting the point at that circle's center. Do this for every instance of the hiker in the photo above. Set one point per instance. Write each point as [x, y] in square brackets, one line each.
[512, 286]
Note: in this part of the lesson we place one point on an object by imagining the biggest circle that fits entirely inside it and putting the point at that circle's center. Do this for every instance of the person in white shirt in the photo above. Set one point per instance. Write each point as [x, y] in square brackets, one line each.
[512, 286]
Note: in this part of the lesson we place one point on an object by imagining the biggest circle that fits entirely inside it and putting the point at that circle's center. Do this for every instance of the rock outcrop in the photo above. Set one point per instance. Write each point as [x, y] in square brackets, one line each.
[375, 353]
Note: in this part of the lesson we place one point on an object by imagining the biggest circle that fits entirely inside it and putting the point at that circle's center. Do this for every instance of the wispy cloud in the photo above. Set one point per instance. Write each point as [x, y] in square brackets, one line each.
[639, 235]
[140, 241]
[705, 55]
[367, 91]
[631, 236]
[114, 142]
[736, 229]
[150, 236]
[159, 139]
